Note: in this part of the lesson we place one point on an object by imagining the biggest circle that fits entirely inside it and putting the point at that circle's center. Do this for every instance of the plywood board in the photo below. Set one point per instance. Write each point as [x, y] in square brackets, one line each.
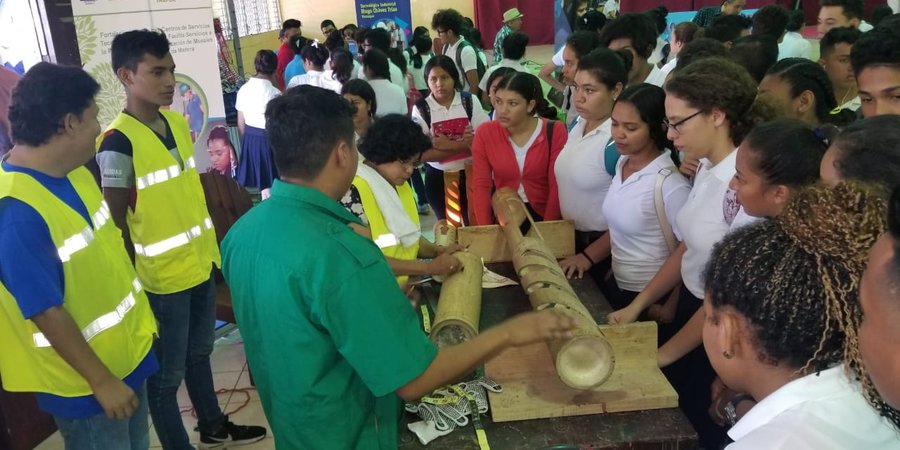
[533, 390]
[488, 241]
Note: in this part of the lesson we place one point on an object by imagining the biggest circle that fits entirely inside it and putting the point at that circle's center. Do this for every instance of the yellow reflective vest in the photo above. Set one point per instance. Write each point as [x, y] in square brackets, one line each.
[174, 240]
[386, 241]
[101, 293]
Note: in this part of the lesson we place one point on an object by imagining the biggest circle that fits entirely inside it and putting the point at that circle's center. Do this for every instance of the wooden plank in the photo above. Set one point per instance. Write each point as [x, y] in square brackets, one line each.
[533, 390]
[489, 242]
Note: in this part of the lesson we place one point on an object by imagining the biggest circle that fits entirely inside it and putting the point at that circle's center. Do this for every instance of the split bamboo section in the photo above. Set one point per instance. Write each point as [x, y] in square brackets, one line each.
[459, 305]
[586, 360]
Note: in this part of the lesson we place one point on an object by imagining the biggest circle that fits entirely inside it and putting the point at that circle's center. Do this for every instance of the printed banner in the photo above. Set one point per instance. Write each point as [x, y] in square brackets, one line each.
[391, 15]
[189, 26]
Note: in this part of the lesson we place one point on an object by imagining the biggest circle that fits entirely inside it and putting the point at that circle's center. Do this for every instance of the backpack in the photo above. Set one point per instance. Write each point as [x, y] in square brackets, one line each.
[425, 110]
[479, 64]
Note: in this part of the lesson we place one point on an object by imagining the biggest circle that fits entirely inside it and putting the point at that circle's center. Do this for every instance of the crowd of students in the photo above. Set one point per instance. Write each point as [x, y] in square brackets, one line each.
[726, 192]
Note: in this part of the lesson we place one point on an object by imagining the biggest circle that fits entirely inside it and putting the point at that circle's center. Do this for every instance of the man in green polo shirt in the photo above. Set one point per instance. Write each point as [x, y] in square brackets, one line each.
[331, 339]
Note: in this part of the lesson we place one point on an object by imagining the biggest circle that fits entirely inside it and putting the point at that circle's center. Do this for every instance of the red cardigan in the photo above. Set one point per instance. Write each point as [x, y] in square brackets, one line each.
[494, 165]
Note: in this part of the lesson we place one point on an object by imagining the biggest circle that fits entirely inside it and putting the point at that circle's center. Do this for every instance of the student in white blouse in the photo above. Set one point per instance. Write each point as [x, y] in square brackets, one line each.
[646, 174]
[781, 324]
[391, 99]
[710, 105]
[314, 57]
[583, 172]
[450, 118]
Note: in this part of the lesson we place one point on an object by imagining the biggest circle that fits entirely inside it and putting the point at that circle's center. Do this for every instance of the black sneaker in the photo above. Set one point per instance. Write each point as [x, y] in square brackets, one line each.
[231, 435]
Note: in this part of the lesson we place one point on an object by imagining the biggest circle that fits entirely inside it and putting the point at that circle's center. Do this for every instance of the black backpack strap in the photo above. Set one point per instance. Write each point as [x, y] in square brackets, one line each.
[467, 103]
[424, 111]
[550, 125]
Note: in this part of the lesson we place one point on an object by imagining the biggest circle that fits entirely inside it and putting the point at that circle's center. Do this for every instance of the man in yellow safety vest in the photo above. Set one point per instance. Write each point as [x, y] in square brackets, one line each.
[153, 189]
[75, 323]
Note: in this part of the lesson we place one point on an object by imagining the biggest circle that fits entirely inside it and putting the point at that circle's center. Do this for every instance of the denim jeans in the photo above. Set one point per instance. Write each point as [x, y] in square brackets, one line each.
[186, 333]
[101, 433]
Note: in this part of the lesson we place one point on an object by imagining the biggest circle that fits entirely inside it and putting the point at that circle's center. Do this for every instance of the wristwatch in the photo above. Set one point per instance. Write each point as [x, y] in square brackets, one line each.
[731, 407]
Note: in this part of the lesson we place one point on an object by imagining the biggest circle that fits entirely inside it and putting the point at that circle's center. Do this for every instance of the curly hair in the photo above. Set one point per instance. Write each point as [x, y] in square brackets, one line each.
[717, 83]
[869, 150]
[391, 138]
[804, 75]
[43, 98]
[795, 279]
[448, 19]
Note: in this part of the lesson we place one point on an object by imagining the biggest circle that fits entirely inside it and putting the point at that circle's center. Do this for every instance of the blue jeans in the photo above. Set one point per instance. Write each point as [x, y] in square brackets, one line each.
[186, 332]
[101, 433]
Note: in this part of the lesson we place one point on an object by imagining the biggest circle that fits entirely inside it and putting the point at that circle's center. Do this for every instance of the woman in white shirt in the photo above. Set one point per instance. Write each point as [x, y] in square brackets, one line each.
[582, 171]
[682, 34]
[781, 324]
[256, 167]
[391, 99]
[450, 118]
[646, 174]
[710, 106]
[793, 44]
[314, 57]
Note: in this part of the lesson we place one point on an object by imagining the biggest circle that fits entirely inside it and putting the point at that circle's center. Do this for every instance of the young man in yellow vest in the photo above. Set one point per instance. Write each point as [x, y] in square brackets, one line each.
[75, 323]
[154, 193]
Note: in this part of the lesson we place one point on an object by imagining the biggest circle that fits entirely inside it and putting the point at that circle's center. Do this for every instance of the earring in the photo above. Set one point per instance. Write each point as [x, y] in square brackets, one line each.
[727, 354]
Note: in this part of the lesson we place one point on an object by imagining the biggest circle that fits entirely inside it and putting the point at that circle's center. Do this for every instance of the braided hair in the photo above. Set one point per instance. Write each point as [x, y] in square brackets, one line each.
[805, 75]
[795, 279]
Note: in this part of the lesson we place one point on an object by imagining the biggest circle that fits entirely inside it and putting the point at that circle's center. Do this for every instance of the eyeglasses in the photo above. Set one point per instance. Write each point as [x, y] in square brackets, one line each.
[674, 126]
[440, 32]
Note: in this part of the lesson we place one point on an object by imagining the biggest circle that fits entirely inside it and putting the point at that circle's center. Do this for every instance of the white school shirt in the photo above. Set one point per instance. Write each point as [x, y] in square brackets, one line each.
[389, 98]
[742, 219]
[657, 54]
[252, 99]
[656, 76]
[705, 218]
[581, 177]
[853, 104]
[557, 59]
[396, 76]
[522, 151]
[418, 75]
[455, 111]
[794, 45]
[639, 247]
[467, 58]
[517, 64]
[669, 66]
[316, 78]
[819, 411]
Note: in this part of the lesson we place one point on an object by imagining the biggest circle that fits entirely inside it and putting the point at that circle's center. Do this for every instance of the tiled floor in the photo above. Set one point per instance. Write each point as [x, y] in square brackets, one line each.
[229, 365]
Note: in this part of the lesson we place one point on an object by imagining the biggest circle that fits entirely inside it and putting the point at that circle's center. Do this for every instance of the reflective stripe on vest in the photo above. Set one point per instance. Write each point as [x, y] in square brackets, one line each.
[162, 175]
[83, 238]
[387, 240]
[158, 248]
[103, 322]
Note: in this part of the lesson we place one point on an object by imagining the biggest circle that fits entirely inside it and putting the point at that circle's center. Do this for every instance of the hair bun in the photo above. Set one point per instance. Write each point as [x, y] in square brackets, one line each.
[842, 221]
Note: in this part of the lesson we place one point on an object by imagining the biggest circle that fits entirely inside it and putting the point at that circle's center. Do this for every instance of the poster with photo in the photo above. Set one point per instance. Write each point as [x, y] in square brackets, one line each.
[189, 26]
[391, 15]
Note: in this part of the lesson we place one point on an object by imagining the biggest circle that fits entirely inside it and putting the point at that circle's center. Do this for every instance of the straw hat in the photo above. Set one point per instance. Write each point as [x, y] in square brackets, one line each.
[511, 15]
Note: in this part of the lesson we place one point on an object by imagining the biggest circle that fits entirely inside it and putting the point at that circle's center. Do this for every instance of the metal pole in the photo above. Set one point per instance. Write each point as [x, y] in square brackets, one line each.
[235, 37]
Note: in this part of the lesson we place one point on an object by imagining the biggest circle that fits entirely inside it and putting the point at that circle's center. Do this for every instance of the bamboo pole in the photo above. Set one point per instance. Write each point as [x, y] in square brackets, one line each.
[459, 305]
[586, 360]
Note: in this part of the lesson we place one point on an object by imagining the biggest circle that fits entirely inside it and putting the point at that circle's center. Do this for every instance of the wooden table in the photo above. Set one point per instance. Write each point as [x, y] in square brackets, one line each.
[651, 429]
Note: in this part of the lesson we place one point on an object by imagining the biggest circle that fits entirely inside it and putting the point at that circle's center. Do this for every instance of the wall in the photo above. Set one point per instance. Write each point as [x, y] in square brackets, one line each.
[252, 44]
[342, 12]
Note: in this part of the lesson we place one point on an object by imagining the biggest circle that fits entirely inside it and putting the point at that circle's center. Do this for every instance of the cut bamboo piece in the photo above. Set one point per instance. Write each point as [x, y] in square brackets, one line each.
[586, 360]
[459, 305]
[444, 235]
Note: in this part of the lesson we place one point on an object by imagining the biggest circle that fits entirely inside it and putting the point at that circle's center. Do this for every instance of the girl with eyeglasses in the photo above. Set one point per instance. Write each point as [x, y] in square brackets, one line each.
[383, 200]
[711, 105]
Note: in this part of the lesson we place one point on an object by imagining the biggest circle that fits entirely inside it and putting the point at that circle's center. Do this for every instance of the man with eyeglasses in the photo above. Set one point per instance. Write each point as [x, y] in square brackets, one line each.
[448, 23]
